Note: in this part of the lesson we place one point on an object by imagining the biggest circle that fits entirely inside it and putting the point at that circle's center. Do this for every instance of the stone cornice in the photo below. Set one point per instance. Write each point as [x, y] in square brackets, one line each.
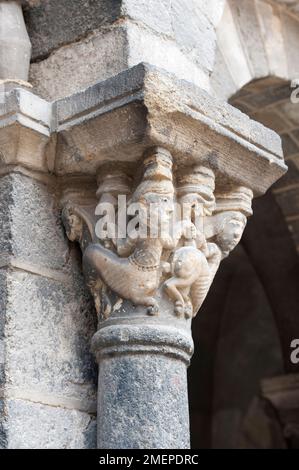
[21, 106]
[137, 109]
[145, 106]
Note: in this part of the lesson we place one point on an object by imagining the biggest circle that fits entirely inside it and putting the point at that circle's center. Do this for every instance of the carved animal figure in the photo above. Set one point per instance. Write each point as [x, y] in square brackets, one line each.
[135, 278]
[190, 282]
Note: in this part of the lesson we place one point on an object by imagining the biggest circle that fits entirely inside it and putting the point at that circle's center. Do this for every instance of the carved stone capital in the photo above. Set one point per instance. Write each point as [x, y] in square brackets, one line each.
[185, 227]
[173, 148]
[190, 167]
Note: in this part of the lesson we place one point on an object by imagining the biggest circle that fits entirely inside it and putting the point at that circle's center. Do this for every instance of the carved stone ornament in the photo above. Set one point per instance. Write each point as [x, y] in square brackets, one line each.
[185, 228]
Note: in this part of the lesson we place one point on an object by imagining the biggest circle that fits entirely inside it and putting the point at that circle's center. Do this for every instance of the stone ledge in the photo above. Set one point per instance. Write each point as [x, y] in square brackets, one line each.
[27, 109]
[122, 116]
[146, 106]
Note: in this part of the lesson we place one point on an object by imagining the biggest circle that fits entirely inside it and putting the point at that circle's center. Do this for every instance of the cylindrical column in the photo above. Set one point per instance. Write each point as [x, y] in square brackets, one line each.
[142, 392]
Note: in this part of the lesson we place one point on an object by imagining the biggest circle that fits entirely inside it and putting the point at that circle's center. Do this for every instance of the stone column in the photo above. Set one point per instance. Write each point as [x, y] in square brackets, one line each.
[140, 138]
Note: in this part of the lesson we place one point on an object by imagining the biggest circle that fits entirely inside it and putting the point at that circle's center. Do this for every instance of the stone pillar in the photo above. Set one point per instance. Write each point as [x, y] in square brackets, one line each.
[148, 286]
[47, 373]
[143, 397]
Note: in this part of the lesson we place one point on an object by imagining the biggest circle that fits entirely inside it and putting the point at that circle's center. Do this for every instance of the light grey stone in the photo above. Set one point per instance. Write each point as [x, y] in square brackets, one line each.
[35, 426]
[15, 46]
[155, 14]
[250, 34]
[145, 117]
[49, 327]
[74, 67]
[194, 33]
[46, 323]
[39, 238]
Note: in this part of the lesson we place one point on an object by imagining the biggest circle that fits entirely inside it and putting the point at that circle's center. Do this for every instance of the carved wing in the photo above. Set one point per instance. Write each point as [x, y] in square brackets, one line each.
[199, 291]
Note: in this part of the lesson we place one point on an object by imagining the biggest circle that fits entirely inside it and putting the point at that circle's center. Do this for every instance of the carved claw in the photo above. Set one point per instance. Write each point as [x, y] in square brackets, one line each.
[179, 309]
[188, 310]
[153, 310]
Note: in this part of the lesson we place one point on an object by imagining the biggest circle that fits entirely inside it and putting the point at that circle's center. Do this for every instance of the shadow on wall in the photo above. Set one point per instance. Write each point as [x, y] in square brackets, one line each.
[236, 334]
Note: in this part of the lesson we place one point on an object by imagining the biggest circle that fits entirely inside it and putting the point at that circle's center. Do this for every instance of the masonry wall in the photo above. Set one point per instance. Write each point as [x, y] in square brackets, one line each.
[78, 43]
[48, 376]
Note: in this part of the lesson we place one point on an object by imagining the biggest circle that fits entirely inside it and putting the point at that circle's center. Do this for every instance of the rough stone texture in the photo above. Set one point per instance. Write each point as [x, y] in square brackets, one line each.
[36, 426]
[47, 371]
[15, 47]
[29, 199]
[53, 23]
[255, 39]
[66, 72]
[178, 36]
[45, 289]
[145, 118]
[143, 403]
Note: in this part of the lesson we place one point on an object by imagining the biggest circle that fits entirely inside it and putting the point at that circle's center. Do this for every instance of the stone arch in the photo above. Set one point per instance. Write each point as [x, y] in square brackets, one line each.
[256, 61]
[255, 39]
[243, 331]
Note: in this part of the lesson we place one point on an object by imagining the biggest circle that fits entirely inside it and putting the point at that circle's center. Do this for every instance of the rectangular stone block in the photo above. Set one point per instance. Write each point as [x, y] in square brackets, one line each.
[53, 23]
[36, 426]
[48, 330]
[47, 372]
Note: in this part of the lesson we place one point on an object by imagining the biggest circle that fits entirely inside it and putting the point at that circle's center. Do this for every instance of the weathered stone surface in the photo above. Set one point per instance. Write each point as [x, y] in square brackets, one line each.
[178, 35]
[65, 72]
[48, 357]
[53, 23]
[46, 368]
[147, 107]
[245, 16]
[155, 14]
[15, 47]
[194, 32]
[35, 426]
[150, 393]
[145, 118]
[24, 196]
[75, 67]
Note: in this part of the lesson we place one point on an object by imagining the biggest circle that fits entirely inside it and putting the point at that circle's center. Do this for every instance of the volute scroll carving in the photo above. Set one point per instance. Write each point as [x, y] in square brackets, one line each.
[176, 229]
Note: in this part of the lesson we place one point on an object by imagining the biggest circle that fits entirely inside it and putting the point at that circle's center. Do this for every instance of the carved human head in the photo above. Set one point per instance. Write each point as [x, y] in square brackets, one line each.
[196, 186]
[73, 223]
[231, 228]
[233, 206]
[156, 187]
